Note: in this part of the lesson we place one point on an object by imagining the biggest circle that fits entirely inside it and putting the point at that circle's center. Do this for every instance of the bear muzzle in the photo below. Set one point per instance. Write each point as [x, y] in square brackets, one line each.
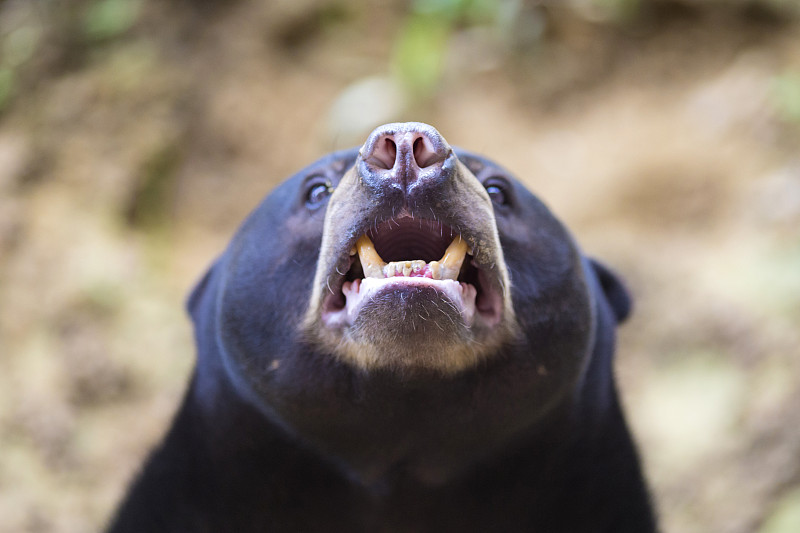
[410, 259]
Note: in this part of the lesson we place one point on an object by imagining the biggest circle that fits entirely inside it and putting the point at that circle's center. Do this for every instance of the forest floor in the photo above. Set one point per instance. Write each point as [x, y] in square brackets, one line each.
[129, 154]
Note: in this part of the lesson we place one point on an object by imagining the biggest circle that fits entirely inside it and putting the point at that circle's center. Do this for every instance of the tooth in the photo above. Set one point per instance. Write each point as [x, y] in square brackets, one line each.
[452, 259]
[371, 262]
[436, 269]
[447, 267]
[403, 268]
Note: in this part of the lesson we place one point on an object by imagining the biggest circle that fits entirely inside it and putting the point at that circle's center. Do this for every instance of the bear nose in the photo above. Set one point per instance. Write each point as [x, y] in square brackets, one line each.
[402, 155]
[415, 147]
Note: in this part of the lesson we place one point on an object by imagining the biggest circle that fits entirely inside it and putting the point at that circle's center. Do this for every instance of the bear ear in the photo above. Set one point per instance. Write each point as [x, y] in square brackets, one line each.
[615, 292]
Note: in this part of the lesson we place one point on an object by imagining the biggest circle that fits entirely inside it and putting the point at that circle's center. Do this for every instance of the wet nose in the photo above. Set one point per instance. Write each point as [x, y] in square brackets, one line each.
[403, 155]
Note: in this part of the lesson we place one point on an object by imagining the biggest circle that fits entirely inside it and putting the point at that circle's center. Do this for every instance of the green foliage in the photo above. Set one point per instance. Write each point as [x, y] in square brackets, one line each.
[421, 47]
[786, 6]
[420, 53]
[106, 19]
[472, 10]
[20, 45]
[786, 96]
[149, 207]
[618, 10]
[6, 86]
[785, 518]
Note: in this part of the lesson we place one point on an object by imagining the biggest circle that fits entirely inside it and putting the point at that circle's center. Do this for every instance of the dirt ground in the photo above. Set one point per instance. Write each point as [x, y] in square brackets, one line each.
[136, 134]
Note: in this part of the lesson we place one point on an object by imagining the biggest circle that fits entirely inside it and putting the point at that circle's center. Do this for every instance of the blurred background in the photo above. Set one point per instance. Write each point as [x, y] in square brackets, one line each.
[136, 134]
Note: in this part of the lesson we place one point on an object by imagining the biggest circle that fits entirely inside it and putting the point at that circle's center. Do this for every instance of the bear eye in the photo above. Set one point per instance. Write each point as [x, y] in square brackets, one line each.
[317, 192]
[496, 188]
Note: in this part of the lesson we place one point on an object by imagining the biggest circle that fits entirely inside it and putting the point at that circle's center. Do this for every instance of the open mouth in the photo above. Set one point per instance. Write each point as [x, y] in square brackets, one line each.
[407, 253]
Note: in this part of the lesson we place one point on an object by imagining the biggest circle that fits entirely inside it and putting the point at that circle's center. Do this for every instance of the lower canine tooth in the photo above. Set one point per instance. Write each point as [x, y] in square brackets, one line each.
[453, 258]
[436, 269]
[371, 262]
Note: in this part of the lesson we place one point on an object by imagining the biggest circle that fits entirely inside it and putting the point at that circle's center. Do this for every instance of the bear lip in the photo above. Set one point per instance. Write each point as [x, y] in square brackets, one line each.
[405, 254]
[359, 291]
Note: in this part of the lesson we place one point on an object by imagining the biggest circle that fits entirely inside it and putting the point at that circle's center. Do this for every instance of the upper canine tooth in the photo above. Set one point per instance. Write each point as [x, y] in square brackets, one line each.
[453, 257]
[371, 262]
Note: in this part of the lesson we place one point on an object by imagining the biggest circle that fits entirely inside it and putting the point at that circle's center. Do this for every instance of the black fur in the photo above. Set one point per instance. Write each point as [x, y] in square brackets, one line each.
[275, 435]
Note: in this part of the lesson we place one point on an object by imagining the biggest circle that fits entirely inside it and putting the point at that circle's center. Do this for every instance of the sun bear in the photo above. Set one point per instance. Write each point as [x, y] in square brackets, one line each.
[400, 338]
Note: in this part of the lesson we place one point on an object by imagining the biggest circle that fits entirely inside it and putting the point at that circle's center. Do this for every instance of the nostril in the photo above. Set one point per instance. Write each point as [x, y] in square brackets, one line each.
[403, 149]
[424, 153]
[384, 153]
